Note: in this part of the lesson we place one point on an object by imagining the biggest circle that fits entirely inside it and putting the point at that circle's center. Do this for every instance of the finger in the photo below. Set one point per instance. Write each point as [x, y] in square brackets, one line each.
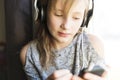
[106, 73]
[59, 73]
[76, 78]
[67, 76]
[90, 76]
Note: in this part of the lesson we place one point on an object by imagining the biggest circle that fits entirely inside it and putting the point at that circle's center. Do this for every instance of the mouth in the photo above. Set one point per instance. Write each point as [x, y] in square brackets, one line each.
[62, 34]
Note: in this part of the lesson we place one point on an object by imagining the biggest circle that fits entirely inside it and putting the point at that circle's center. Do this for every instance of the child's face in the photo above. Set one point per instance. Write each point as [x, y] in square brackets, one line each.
[64, 25]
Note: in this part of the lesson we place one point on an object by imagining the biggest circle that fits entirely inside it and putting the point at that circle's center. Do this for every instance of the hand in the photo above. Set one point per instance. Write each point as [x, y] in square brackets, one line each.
[76, 78]
[90, 76]
[61, 75]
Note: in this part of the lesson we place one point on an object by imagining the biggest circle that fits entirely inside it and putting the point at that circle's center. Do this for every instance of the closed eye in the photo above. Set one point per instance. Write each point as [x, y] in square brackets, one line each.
[76, 18]
[59, 15]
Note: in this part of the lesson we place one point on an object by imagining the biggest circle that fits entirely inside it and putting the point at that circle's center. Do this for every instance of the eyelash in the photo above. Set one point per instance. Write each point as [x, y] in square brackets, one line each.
[59, 15]
[75, 18]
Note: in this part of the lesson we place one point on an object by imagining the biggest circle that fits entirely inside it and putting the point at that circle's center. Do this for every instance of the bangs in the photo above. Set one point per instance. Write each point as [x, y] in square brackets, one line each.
[68, 5]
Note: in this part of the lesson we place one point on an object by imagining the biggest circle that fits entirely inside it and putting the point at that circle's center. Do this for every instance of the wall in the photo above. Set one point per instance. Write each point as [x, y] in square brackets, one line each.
[2, 21]
[18, 19]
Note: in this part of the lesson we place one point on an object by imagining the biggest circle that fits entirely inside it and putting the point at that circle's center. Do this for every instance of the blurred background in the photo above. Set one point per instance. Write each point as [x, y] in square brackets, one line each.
[106, 25]
[16, 29]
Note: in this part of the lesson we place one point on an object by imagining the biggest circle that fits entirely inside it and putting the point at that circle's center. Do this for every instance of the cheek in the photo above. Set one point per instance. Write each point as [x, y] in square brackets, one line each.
[76, 29]
[50, 22]
[79, 23]
[53, 23]
[77, 26]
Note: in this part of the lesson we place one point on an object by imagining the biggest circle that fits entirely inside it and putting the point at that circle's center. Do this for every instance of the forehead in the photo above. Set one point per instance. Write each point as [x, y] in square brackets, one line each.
[68, 5]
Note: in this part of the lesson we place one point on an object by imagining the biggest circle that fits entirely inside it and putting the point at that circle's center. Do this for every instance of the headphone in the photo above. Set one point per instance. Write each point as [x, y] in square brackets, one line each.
[42, 12]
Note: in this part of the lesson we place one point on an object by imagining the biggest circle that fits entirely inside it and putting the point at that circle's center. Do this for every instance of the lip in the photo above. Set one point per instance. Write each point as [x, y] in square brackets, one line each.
[62, 34]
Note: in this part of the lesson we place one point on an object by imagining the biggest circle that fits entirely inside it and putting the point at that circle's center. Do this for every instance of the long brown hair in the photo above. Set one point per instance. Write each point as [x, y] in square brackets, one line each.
[45, 40]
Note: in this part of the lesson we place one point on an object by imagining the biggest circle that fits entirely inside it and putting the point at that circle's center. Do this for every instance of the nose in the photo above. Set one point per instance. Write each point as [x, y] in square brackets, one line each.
[66, 24]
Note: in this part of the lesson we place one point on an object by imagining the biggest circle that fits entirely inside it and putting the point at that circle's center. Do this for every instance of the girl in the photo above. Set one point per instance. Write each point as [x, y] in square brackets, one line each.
[62, 49]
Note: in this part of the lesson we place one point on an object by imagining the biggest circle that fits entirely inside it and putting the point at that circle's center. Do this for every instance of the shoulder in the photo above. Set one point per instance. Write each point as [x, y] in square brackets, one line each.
[28, 48]
[97, 44]
[23, 54]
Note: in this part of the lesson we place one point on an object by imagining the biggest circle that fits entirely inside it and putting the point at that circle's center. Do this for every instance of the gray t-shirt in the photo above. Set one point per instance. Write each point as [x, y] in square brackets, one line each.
[79, 54]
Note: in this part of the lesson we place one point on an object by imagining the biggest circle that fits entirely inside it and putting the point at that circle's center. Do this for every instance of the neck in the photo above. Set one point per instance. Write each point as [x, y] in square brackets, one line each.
[61, 45]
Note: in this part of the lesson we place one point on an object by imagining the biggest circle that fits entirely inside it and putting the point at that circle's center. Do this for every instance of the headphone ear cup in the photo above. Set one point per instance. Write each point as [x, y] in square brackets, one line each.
[83, 23]
[42, 14]
[88, 17]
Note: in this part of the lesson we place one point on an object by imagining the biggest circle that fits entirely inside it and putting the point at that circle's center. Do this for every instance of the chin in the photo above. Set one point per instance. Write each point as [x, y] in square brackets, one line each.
[64, 40]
